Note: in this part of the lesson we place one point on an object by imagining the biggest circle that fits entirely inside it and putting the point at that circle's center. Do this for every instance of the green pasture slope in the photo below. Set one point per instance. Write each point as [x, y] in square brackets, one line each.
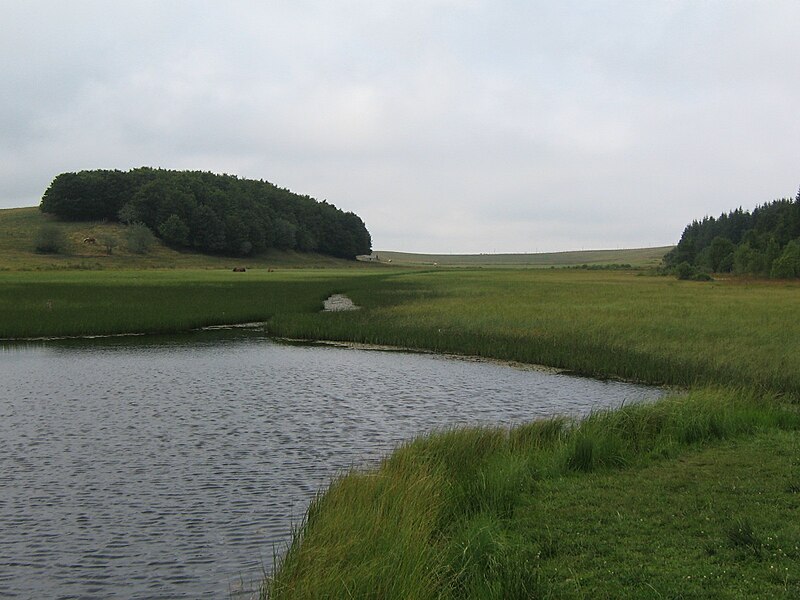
[696, 496]
[637, 257]
[19, 226]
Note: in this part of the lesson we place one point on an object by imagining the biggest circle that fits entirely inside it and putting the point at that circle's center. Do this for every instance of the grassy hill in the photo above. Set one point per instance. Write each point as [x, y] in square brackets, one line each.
[19, 227]
[637, 257]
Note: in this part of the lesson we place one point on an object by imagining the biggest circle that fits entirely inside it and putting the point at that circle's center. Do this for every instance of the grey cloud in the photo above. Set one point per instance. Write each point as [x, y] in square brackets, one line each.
[447, 125]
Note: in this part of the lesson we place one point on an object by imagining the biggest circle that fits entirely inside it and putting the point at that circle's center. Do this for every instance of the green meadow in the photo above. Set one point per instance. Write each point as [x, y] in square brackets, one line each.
[636, 257]
[695, 496]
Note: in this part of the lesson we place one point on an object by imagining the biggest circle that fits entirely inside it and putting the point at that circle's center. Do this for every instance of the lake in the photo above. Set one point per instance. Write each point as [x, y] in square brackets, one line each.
[175, 467]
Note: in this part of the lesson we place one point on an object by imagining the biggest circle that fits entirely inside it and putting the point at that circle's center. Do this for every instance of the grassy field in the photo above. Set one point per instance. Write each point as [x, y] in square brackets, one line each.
[637, 257]
[693, 497]
[18, 228]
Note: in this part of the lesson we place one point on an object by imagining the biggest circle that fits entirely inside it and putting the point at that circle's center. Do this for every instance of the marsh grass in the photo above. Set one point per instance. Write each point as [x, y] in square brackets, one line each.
[95, 303]
[454, 514]
[647, 329]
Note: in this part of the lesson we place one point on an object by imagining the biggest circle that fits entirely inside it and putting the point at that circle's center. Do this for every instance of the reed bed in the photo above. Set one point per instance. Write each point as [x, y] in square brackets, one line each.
[649, 329]
[75, 303]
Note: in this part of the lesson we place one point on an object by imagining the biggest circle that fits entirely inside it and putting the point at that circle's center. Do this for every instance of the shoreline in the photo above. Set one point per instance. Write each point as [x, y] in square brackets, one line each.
[253, 325]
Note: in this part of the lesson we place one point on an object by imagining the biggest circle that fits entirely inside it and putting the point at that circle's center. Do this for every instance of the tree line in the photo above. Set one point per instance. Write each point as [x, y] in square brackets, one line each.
[764, 242]
[220, 214]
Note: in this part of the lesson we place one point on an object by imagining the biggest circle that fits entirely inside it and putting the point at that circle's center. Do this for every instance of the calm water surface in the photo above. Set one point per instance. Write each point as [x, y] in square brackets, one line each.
[174, 468]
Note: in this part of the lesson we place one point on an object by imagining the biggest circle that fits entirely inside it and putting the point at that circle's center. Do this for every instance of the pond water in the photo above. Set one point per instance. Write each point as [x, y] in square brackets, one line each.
[144, 467]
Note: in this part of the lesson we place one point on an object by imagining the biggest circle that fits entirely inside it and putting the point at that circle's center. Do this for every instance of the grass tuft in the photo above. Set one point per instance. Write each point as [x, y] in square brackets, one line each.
[740, 534]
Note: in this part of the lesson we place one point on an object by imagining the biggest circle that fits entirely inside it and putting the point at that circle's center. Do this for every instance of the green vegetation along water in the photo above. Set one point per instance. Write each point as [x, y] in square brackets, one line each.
[688, 498]
[734, 343]
[649, 329]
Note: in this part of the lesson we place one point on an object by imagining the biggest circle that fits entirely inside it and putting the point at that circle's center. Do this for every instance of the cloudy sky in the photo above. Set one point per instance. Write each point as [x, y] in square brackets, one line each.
[447, 125]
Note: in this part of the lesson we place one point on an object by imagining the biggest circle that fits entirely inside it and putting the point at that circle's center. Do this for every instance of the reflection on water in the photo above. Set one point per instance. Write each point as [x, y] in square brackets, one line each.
[145, 467]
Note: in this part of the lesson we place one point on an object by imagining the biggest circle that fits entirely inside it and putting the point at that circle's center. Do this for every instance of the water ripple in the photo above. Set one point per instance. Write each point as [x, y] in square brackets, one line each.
[175, 468]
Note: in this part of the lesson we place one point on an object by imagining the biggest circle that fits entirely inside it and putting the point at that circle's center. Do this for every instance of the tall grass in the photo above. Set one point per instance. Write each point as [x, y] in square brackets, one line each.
[444, 516]
[648, 329]
[94, 303]
[489, 538]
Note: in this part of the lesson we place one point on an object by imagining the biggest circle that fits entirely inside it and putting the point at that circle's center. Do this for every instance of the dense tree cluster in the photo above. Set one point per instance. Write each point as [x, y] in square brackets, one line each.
[208, 212]
[764, 242]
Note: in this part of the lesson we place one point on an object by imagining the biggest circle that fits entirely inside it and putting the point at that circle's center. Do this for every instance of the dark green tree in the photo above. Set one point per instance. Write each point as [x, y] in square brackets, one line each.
[741, 241]
[721, 254]
[787, 265]
[223, 214]
[284, 233]
[208, 231]
[174, 232]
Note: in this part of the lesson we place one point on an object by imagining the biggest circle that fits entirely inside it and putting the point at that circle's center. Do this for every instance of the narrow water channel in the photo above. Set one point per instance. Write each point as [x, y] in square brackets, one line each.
[175, 467]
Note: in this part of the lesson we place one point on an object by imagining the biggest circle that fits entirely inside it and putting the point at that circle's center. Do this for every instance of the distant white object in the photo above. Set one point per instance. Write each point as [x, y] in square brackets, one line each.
[338, 303]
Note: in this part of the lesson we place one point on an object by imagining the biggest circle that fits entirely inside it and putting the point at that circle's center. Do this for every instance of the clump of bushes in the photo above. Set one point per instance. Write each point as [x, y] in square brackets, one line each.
[688, 272]
[50, 239]
[139, 238]
[109, 241]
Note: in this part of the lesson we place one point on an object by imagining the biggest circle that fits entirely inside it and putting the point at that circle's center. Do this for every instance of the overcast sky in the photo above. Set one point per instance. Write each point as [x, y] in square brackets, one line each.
[447, 125]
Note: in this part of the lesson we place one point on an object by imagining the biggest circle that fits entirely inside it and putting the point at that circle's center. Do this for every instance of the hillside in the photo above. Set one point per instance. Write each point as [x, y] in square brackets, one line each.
[637, 257]
[19, 228]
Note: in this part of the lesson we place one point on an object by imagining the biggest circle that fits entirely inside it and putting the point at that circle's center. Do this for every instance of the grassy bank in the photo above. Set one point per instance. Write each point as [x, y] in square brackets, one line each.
[689, 498]
[560, 510]
[651, 329]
